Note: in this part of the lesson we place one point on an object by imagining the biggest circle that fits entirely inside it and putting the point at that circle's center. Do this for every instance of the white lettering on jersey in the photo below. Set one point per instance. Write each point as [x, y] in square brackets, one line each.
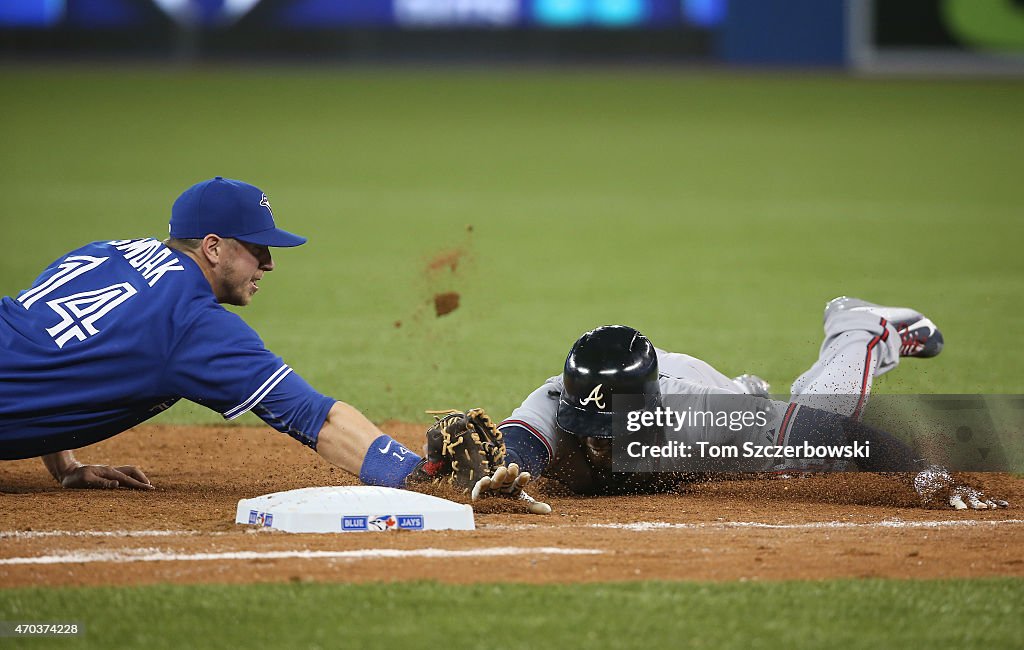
[72, 267]
[80, 311]
[147, 256]
[136, 251]
[595, 396]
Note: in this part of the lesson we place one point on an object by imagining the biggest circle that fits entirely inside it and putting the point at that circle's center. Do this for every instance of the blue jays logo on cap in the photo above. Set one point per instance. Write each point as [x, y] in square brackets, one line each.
[231, 209]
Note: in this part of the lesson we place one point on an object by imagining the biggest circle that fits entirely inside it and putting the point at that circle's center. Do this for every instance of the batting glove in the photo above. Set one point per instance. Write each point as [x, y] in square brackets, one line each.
[509, 482]
[935, 482]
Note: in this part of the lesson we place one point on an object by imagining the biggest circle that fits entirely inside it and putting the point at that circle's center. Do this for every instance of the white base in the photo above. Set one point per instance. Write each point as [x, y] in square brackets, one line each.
[353, 509]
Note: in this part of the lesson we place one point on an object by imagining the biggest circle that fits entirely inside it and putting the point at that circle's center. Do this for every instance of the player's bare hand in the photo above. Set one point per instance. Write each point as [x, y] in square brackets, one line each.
[105, 477]
[509, 482]
[936, 485]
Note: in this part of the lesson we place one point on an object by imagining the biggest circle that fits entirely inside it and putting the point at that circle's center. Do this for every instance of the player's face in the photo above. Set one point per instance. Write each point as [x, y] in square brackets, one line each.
[242, 268]
[599, 452]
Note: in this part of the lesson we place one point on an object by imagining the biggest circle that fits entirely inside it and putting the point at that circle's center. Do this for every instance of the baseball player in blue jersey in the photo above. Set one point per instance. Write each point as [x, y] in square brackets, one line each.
[116, 331]
[564, 429]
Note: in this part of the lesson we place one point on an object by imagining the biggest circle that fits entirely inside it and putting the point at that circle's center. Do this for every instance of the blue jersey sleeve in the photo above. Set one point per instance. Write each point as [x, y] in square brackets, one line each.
[221, 363]
[293, 407]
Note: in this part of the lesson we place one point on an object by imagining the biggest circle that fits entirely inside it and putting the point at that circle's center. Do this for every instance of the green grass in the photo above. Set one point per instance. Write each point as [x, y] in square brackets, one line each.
[716, 213]
[842, 613]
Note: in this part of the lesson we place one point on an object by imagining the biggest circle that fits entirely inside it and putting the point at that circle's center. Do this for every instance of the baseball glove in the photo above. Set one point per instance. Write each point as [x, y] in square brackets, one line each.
[462, 448]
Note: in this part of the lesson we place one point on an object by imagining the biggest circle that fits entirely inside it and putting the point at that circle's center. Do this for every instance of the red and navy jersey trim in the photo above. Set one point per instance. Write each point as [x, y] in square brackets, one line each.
[531, 429]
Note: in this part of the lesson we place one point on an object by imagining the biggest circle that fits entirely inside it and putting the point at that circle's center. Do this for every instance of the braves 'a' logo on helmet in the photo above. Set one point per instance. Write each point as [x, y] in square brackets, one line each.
[595, 396]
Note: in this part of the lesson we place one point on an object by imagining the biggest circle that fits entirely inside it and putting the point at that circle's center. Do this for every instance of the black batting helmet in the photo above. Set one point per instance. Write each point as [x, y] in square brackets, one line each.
[612, 360]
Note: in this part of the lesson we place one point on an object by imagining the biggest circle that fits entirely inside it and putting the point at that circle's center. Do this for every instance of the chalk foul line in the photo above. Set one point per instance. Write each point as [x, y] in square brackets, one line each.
[36, 534]
[157, 555]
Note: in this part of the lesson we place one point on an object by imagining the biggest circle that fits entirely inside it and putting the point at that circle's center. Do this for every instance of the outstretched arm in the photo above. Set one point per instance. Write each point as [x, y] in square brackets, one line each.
[345, 437]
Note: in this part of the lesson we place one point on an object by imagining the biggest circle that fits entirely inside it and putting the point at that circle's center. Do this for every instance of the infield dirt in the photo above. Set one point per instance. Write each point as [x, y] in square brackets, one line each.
[842, 525]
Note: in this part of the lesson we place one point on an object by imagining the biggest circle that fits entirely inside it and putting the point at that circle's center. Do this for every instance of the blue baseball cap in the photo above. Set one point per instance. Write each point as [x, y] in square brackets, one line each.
[231, 209]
